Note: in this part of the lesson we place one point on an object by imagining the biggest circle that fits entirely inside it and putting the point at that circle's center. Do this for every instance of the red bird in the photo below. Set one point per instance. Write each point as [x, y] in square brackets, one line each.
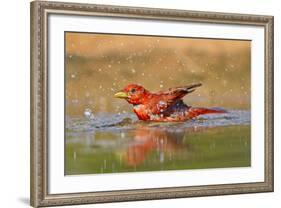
[163, 105]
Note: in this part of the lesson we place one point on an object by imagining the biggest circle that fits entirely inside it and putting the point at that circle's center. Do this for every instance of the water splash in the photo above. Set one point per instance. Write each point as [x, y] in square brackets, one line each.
[89, 114]
[127, 121]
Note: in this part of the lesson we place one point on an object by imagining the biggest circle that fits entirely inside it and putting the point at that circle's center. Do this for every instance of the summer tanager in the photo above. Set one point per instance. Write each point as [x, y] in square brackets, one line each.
[163, 105]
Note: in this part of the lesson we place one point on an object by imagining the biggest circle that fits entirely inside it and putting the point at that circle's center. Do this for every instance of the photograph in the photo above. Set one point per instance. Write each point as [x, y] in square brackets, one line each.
[136, 103]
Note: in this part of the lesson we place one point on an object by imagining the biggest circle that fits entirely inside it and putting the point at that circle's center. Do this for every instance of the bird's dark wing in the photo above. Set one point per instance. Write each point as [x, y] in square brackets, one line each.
[162, 100]
[179, 92]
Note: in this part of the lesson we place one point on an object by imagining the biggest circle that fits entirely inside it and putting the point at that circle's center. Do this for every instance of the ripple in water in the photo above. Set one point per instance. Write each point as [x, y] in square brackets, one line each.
[126, 121]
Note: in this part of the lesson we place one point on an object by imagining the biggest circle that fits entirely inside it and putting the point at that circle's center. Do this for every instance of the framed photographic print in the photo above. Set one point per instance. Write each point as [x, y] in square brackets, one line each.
[140, 103]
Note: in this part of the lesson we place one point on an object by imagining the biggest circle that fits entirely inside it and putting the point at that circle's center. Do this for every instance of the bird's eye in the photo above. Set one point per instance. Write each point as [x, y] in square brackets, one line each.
[133, 90]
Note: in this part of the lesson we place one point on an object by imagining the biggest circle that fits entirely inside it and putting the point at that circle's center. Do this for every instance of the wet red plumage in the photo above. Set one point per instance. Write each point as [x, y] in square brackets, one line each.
[164, 105]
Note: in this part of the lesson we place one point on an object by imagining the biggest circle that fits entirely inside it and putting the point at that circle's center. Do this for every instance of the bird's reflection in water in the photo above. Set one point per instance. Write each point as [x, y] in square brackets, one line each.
[147, 140]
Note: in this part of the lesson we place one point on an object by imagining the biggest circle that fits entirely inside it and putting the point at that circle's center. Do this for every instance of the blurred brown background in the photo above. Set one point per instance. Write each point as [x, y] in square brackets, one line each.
[99, 65]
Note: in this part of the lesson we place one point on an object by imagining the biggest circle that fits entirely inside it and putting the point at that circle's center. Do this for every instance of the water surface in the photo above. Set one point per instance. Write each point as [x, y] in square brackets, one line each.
[112, 143]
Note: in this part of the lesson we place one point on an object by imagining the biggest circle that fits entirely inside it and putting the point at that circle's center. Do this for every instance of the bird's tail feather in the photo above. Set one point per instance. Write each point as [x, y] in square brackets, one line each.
[194, 112]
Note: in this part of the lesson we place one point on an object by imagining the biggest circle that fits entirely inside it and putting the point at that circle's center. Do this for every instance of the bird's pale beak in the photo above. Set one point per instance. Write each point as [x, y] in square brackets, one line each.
[121, 94]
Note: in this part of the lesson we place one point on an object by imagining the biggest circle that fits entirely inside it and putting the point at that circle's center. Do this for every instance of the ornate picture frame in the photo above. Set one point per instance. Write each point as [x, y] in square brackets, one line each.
[40, 84]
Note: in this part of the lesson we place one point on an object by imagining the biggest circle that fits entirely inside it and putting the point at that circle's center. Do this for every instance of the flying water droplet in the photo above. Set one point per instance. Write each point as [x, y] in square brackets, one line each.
[88, 113]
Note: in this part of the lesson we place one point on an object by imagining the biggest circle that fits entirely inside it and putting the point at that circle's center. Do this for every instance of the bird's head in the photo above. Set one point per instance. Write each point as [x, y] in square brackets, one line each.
[133, 93]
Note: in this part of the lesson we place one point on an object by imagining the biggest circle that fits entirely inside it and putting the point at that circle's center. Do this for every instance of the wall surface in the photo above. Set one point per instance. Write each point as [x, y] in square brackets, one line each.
[14, 111]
